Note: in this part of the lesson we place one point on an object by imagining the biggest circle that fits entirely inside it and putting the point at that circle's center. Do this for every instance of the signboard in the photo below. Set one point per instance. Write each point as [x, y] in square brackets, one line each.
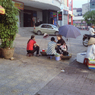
[19, 5]
[77, 21]
[55, 21]
[60, 16]
[52, 14]
[80, 22]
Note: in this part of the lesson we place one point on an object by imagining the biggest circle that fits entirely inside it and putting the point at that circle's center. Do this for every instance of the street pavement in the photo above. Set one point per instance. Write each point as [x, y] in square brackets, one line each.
[41, 76]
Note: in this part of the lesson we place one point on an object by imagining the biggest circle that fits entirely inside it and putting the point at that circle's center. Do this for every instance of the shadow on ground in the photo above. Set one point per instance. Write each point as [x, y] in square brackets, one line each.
[78, 65]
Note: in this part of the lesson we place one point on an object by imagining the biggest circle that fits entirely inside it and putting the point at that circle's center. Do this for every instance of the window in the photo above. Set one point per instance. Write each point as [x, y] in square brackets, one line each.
[48, 26]
[43, 26]
[92, 0]
[54, 26]
[79, 10]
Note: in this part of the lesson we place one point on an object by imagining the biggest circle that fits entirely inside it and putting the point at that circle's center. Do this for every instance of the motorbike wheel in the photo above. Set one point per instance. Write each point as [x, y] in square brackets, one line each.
[85, 42]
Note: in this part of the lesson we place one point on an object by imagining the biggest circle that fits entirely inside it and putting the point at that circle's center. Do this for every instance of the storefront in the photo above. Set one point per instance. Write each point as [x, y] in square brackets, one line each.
[27, 15]
[20, 6]
[80, 24]
[50, 16]
[34, 12]
[53, 18]
[30, 18]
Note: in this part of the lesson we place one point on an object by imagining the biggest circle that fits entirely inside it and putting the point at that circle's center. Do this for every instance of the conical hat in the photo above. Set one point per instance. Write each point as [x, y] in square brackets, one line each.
[45, 35]
[91, 41]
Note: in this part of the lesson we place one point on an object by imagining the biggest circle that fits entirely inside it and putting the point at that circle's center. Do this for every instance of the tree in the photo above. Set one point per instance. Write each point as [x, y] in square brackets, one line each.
[8, 23]
[89, 17]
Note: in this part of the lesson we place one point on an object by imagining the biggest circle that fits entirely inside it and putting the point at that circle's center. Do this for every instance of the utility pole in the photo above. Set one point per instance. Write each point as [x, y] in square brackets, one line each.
[72, 12]
[68, 10]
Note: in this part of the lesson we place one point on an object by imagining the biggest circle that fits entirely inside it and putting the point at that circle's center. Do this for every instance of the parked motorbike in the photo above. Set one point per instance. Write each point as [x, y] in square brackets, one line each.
[86, 38]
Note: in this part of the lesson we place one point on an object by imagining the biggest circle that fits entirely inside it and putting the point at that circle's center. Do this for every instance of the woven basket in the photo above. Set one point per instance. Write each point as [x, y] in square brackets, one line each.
[43, 53]
[66, 57]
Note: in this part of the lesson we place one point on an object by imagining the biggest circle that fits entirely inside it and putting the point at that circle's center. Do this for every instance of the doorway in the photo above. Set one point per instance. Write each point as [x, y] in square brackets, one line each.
[27, 19]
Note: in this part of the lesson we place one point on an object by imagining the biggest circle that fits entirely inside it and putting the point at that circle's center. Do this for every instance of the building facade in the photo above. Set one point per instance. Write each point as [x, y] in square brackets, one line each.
[79, 22]
[92, 5]
[67, 13]
[77, 11]
[44, 11]
[78, 19]
[63, 13]
[85, 8]
[37, 10]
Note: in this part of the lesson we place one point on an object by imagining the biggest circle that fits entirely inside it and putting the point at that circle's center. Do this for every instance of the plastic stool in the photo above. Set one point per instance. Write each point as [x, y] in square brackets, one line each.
[50, 57]
[86, 60]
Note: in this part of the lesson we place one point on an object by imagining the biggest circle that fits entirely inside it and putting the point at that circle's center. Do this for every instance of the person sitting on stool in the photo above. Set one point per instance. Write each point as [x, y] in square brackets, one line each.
[51, 47]
[32, 47]
[91, 49]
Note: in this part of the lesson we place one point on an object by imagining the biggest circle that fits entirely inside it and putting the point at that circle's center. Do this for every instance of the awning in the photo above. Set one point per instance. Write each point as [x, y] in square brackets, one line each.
[42, 4]
[2, 10]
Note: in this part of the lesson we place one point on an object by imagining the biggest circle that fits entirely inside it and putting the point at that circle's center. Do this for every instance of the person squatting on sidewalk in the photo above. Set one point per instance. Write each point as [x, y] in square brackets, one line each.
[32, 47]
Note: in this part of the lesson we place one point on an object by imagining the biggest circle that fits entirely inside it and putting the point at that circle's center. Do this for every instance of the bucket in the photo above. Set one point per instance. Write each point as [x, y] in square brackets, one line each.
[57, 58]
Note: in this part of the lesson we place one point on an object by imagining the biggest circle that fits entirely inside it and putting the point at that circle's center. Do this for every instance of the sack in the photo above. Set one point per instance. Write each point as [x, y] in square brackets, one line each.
[91, 64]
[63, 47]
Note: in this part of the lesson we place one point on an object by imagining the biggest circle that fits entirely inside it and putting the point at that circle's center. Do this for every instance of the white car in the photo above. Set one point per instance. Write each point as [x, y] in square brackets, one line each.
[46, 28]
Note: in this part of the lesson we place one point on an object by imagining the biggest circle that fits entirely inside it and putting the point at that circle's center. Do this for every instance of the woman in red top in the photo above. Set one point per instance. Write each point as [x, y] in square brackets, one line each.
[32, 46]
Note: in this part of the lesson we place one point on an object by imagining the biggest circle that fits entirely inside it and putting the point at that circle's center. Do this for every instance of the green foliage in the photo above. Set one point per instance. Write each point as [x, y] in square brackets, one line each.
[90, 17]
[8, 23]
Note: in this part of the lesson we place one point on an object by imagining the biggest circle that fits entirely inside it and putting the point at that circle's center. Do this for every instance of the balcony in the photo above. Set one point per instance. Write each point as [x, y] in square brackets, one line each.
[43, 4]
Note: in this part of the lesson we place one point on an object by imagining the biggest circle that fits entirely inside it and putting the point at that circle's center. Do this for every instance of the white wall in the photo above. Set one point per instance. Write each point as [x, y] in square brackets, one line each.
[85, 8]
[74, 12]
[52, 2]
[39, 15]
[65, 19]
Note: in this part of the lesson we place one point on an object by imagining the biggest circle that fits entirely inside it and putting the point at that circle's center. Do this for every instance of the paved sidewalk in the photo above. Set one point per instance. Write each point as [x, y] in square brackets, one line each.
[26, 76]
[73, 81]
[32, 75]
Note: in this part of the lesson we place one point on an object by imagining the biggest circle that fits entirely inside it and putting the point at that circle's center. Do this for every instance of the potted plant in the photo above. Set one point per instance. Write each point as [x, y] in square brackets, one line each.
[8, 27]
